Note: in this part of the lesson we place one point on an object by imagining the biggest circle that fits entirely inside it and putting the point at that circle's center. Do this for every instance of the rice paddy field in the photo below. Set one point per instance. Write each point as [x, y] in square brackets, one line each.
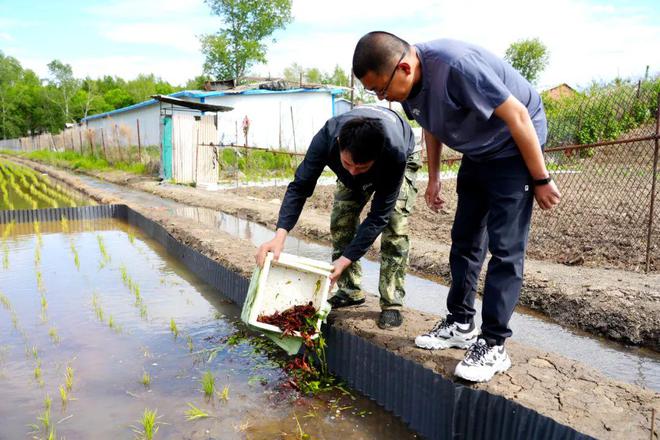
[103, 335]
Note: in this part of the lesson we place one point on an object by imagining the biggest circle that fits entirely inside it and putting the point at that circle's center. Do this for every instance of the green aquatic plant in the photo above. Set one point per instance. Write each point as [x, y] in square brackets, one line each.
[173, 328]
[98, 310]
[189, 341]
[208, 384]
[146, 379]
[113, 325]
[148, 425]
[195, 413]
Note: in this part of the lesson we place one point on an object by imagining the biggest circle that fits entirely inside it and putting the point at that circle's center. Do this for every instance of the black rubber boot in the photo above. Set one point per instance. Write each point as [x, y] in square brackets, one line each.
[390, 319]
[339, 301]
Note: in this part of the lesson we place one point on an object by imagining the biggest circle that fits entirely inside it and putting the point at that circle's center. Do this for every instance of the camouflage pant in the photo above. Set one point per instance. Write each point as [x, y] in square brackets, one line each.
[394, 246]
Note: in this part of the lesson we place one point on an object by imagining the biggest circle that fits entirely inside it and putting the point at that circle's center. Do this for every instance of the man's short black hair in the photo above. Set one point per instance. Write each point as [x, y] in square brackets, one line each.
[377, 51]
[363, 138]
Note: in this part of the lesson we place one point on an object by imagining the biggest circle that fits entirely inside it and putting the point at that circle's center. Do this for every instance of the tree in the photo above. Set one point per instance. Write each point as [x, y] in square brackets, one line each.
[530, 57]
[241, 41]
[293, 72]
[313, 75]
[10, 74]
[338, 78]
[63, 86]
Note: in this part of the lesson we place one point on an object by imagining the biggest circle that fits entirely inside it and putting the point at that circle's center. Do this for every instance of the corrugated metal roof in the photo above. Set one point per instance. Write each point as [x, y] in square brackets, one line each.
[199, 94]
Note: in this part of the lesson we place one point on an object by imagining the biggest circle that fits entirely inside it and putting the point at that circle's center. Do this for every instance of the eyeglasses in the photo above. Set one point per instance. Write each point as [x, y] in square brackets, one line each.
[383, 91]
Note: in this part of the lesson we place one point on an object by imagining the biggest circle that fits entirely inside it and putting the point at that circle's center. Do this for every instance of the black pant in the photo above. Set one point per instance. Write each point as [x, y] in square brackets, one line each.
[495, 200]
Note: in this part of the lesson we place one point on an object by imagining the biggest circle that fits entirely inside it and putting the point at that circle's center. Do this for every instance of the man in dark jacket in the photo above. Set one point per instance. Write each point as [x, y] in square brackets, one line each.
[372, 152]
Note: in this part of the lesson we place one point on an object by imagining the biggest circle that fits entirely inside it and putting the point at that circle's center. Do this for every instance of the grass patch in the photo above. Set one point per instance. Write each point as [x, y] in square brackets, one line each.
[86, 162]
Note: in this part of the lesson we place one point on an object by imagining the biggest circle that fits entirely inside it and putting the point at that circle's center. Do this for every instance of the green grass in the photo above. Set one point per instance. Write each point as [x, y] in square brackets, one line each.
[195, 413]
[87, 162]
[208, 384]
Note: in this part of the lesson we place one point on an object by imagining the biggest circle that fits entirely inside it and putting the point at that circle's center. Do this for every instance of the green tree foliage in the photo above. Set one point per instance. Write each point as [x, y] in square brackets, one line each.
[241, 42]
[530, 57]
[29, 105]
[603, 112]
[293, 72]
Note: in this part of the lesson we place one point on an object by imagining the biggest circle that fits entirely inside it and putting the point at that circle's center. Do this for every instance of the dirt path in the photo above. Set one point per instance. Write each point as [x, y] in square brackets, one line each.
[554, 386]
[620, 305]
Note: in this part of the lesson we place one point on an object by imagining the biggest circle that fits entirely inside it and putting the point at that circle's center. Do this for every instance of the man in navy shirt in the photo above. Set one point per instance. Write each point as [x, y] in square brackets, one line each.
[372, 152]
[467, 98]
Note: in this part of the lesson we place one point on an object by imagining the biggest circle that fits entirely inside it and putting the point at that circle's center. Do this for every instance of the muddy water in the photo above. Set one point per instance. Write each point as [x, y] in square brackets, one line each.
[629, 364]
[61, 310]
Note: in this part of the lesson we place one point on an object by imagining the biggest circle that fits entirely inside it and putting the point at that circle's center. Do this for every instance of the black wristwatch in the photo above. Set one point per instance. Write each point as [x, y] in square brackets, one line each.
[545, 181]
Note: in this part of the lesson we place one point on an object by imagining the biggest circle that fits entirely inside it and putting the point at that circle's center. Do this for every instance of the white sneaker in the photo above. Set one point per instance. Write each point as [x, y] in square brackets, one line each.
[448, 334]
[482, 362]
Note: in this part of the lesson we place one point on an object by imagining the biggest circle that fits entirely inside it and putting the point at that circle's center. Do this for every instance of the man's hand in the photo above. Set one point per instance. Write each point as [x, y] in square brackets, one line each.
[275, 246]
[547, 196]
[340, 264]
[433, 197]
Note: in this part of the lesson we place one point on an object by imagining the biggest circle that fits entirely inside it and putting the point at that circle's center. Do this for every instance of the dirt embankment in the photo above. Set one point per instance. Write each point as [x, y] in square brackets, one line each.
[620, 305]
[554, 386]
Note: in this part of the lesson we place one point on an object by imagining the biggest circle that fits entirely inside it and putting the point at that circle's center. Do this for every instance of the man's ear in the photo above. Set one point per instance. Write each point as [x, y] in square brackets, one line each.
[405, 67]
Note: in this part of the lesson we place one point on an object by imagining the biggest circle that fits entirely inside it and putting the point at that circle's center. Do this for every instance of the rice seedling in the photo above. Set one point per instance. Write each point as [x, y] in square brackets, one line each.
[208, 384]
[40, 282]
[113, 325]
[224, 395]
[35, 352]
[76, 259]
[124, 274]
[64, 395]
[68, 377]
[4, 300]
[37, 256]
[173, 328]
[98, 309]
[47, 402]
[44, 302]
[45, 421]
[189, 341]
[37, 371]
[14, 319]
[143, 311]
[37, 232]
[146, 379]
[52, 332]
[131, 237]
[104, 252]
[195, 413]
[148, 425]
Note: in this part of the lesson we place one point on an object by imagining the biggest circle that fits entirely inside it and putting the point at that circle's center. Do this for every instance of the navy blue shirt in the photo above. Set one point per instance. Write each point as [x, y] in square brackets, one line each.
[384, 177]
[462, 84]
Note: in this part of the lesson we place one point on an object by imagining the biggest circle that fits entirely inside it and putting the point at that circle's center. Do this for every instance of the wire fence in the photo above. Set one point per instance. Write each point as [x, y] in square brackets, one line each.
[603, 154]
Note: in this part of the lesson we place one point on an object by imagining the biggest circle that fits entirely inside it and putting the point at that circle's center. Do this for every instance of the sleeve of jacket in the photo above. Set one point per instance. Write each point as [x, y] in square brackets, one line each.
[305, 179]
[382, 205]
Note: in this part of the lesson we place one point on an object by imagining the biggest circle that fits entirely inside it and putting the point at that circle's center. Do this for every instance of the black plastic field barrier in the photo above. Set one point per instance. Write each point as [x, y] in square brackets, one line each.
[431, 405]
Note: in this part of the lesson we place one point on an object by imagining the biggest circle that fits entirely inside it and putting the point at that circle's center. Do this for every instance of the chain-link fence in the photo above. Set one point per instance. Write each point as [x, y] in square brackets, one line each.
[603, 153]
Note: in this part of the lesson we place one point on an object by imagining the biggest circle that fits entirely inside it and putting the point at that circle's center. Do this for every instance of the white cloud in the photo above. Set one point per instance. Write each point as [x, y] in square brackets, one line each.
[4, 36]
[586, 40]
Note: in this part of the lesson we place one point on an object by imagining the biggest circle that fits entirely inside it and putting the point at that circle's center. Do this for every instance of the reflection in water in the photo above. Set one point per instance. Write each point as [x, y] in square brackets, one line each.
[633, 365]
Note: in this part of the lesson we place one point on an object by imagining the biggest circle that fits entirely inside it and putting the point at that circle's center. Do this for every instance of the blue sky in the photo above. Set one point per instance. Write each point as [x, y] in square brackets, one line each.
[587, 39]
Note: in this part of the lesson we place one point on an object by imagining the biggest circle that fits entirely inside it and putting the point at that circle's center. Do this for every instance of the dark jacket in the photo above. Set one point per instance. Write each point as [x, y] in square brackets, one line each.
[384, 177]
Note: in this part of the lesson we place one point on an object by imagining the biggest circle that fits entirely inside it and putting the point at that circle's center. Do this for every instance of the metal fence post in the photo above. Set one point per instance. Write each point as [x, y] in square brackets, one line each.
[653, 186]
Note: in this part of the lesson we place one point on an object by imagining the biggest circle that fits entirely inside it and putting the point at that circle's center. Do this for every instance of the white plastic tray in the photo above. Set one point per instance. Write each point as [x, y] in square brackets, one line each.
[288, 282]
